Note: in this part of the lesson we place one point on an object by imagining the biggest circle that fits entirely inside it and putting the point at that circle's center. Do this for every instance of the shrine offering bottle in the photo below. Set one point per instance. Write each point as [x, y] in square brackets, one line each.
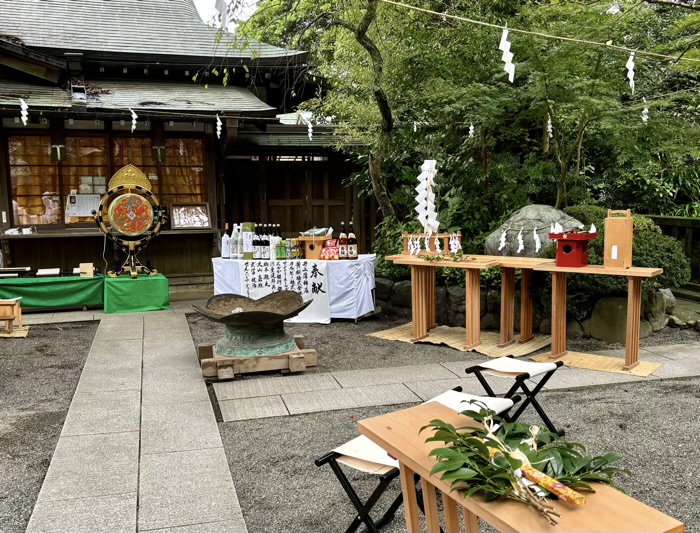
[233, 243]
[225, 244]
[256, 244]
[352, 243]
[342, 242]
[239, 242]
[264, 243]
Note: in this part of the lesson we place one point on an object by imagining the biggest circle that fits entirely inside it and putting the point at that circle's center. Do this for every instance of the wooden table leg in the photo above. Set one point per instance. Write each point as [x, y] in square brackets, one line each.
[419, 304]
[526, 306]
[432, 515]
[410, 502]
[634, 308]
[507, 306]
[473, 307]
[558, 314]
[451, 514]
[471, 521]
[432, 301]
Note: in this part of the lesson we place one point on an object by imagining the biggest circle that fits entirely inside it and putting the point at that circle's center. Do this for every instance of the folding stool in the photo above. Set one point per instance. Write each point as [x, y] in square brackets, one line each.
[521, 371]
[362, 454]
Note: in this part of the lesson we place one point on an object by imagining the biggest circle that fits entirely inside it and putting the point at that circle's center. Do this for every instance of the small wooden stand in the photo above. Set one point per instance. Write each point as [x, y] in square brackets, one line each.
[313, 246]
[445, 237]
[10, 311]
[618, 239]
[218, 368]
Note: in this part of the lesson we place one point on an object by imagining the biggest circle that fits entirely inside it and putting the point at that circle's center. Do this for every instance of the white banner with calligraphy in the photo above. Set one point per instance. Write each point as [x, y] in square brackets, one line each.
[308, 278]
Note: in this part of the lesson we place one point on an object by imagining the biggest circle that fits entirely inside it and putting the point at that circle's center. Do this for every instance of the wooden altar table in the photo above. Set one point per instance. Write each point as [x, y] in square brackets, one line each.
[423, 294]
[607, 510]
[634, 304]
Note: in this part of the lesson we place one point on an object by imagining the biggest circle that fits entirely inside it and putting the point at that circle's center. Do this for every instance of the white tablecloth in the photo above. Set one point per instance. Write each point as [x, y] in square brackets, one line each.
[350, 284]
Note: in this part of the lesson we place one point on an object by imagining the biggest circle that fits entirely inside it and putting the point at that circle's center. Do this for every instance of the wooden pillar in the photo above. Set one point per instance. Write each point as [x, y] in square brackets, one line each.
[471, 521]
[507, 306]
[558, 314]
[419, 303]
[634, 307]
[451, 514]
[432, 300]
[432, 515]
[473, 307]
[526, 306]
[410, 502]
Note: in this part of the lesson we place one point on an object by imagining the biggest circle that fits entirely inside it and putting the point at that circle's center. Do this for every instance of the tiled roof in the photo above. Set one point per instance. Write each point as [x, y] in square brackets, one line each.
[35, 95]
[177, 96]
[137, 27]
[140, 95]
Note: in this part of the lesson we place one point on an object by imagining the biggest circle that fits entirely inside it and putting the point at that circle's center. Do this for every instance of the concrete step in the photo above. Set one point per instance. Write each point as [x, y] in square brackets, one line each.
[686, 294]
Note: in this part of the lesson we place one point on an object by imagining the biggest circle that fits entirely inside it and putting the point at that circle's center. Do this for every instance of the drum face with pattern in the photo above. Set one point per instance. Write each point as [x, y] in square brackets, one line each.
[131, 214]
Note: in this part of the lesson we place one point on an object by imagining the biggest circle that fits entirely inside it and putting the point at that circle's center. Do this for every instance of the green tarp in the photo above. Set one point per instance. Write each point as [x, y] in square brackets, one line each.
[50, 293]
[145, 293]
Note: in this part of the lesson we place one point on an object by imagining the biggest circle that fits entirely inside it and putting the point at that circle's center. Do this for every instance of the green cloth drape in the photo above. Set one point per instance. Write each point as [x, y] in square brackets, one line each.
[54, 292]
[145, 293]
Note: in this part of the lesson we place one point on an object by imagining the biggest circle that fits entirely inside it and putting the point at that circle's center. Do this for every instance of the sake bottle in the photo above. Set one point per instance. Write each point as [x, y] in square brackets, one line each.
[225, 244]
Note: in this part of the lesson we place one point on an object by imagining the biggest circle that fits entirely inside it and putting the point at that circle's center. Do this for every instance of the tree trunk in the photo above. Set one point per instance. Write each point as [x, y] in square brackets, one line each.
[376, 158]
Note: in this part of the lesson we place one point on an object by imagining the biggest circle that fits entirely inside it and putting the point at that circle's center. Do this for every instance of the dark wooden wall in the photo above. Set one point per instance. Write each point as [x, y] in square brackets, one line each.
[686, 230]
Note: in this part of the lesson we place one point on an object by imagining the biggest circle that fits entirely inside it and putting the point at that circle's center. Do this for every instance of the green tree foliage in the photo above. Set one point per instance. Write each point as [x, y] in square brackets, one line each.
[442, 76]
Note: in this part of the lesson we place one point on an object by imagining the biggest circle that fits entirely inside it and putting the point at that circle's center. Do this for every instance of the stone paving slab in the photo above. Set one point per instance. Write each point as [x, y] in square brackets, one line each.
[125, 330]
[104, 514]
[249, 408]
[227, 526]
[92, 465]
[190, 426]
[97, 378]
[177, 358]
[115, 350]
[103, 412]
[316, 401]
[185, 488]
[169, 387]
[384, 376]
[250, 388]
[429, 389]
[570, 378]
[680, 368]
[677, 351]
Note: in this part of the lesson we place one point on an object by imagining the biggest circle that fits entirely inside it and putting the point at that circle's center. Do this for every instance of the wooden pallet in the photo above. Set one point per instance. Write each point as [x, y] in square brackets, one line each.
[220, 368]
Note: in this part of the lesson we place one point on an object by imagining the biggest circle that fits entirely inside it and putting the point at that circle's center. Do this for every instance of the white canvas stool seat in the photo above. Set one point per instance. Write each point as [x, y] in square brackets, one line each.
[364, 455]
[520, 371]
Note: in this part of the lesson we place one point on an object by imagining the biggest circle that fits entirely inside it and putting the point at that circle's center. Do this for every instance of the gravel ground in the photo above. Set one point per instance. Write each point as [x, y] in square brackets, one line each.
[344, 345]
[654, 425]
[38, 376]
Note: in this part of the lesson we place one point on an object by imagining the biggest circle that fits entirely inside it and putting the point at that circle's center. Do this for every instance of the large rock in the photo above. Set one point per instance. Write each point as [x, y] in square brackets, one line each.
[383, 288]
[489, 321]
[546, 326]
[455, 306]
[441, 305]
[401, 294]
[655, 310]
[539, 217]
[493, 302]
[609, 321]
[670, 300]
[573, 329]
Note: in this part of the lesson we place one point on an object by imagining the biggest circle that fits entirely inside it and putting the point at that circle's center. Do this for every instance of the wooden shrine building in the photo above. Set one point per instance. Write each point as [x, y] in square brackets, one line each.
[84, 69]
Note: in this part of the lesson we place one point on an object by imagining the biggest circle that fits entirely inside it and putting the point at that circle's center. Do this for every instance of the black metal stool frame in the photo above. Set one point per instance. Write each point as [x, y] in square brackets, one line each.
[530, 395]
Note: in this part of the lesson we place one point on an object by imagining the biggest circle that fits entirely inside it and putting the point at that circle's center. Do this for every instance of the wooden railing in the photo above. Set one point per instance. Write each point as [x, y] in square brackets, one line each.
[686, 230]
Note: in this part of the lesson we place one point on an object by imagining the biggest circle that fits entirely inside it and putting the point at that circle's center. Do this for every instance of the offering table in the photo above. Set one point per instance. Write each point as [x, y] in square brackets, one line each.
[606, 510]
[423, 293]
[634, 304]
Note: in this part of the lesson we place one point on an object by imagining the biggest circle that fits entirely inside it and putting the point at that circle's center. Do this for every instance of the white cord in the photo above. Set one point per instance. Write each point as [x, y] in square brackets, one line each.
[104, 251]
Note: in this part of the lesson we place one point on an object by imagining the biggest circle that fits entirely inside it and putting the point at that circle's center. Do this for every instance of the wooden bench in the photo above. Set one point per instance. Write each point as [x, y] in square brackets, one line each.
[607, 510]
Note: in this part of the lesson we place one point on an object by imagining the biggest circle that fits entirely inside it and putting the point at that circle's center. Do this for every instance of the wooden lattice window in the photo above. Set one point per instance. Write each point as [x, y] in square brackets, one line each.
[183, 178]
[85, 169]
[34, 181]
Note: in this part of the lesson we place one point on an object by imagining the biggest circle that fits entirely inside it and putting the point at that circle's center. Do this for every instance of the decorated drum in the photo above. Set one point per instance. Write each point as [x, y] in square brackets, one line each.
[131, 214]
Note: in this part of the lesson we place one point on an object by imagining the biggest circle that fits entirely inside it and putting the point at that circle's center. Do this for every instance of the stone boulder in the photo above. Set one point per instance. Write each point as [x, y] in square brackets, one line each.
[382, 288]
[401, 294]
[573, 329]
[655, 310]
[670, 300]
[529, 218]
[609, 321]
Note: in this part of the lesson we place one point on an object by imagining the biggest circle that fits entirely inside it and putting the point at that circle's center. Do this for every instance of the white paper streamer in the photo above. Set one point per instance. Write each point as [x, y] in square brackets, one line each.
[645, 112]
[502, 244]
[218, 127]
[549, 126]
[438, 250]
[507, 56]
[593, 229]
[134, 119]
[471, 131]
[427, 243]
[454, 244]
[630, 71]
[558, 228]
[538, 242]
[24, 111]
[425, 198]
[311, 131]
[521, 244]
